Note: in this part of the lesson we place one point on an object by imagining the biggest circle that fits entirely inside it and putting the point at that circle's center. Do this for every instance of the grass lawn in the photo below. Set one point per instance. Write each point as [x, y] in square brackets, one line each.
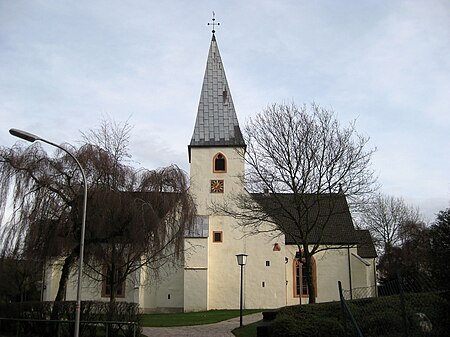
[192, 318]
[247, 330]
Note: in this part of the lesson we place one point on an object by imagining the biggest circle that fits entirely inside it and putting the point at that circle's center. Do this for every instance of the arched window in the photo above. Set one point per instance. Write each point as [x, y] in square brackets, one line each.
[300, 282]
[219, 163]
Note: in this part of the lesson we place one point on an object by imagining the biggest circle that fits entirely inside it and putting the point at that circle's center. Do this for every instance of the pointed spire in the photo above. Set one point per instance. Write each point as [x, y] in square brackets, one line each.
[216, 123]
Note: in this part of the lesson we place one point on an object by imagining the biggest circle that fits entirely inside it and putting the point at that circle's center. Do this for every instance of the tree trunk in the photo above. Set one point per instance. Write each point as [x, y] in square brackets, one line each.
[309, 275]
[67, 266]
[113, 283]
[311, 287]
[65, 272]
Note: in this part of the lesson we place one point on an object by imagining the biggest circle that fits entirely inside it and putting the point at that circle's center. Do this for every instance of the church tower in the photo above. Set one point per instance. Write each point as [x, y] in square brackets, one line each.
[216, 157]
[217, 146]
[216, 162]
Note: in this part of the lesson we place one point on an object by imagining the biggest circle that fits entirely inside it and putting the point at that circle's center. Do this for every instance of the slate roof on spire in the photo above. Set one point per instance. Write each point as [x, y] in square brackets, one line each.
[216, 123]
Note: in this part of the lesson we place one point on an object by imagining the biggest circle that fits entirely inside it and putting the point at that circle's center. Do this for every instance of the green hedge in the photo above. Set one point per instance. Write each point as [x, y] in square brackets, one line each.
[91, 311]
[376, 317]
[308, 320]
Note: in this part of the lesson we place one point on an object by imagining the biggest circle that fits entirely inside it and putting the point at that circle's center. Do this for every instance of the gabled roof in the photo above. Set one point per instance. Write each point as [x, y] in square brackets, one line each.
[366, 249]
[216, 123]
[329, 212]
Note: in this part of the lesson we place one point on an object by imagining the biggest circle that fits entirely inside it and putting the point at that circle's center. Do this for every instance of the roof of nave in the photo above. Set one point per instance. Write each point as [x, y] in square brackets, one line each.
[325, 218]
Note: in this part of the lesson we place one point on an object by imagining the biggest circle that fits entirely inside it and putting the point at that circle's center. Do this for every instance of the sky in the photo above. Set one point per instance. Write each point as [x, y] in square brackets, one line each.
[66, 65]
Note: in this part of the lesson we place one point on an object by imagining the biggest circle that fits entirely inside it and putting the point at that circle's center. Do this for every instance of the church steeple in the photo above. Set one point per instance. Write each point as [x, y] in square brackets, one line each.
[216, 123]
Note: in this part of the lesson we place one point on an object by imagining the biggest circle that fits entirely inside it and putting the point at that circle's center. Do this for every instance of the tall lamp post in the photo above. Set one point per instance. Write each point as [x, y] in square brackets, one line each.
[32, 138]
[241, 260]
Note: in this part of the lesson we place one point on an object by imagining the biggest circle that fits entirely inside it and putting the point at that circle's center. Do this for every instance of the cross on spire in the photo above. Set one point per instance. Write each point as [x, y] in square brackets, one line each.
[213, 23]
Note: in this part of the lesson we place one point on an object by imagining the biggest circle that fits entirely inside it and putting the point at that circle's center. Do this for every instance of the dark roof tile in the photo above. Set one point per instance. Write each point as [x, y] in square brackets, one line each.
[328, 217]
[366, 248]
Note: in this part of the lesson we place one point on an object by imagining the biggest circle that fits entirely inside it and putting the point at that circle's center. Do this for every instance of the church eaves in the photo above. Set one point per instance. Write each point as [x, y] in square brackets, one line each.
[216, 123]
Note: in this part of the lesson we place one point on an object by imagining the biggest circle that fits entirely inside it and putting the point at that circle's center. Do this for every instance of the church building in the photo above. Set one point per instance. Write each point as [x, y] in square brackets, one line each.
[208, 276]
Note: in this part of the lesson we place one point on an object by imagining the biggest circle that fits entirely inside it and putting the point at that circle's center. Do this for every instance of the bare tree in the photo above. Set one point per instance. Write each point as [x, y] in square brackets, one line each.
[135, 217]
[389, 219]
[305, 162]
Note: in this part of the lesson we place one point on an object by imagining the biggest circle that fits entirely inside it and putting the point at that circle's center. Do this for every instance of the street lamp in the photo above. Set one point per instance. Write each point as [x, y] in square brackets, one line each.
[32, 138]
[241, 260]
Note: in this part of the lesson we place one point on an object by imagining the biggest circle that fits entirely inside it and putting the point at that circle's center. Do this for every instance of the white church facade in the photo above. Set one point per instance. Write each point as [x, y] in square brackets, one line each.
[208, 276]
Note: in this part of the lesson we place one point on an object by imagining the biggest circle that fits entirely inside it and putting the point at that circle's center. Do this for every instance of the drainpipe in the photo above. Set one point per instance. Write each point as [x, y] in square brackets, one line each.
[375, 277]
[350, 272]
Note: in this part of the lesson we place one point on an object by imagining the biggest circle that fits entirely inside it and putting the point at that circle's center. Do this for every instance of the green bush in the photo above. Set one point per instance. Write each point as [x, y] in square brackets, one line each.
[64, 311]
[319, 320]
[376, 317]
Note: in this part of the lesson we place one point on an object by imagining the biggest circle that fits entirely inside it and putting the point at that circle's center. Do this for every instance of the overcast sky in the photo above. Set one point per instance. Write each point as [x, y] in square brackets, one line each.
[66, 64]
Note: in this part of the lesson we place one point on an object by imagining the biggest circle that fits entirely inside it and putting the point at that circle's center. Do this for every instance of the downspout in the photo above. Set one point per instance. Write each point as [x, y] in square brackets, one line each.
[43, 286]
[375, 277]
[286, 260]
[350, 272]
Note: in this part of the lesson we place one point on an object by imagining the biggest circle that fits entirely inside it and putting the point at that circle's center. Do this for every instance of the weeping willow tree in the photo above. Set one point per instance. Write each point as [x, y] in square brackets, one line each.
[135, 217]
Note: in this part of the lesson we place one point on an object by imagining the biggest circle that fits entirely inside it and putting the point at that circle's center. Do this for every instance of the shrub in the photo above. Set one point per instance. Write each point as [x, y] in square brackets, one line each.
[64, 311]
[376, 317]
[319, 320]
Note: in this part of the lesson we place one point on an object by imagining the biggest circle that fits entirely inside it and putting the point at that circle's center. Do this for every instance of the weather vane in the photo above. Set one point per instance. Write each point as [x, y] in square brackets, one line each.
[213, 23]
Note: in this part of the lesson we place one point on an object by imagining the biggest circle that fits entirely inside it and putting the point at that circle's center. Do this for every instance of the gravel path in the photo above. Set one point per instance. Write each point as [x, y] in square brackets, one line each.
[221, 329]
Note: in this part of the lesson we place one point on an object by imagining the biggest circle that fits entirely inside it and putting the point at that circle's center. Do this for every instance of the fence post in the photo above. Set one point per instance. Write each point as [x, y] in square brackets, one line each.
[402, 305]
[344, 319]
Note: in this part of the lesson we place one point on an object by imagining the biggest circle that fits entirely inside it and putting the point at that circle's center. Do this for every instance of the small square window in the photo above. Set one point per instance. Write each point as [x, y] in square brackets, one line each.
[267, 263]
[217, 236]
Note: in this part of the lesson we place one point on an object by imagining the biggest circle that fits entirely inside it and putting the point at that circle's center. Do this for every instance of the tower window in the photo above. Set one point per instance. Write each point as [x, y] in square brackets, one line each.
[220, 163]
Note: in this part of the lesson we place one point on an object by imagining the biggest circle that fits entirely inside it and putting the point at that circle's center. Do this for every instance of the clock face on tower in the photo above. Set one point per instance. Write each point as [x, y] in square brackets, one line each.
[216, 186]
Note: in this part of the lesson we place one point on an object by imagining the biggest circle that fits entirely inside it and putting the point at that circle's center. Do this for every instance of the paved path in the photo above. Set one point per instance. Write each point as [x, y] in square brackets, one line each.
[221, 329]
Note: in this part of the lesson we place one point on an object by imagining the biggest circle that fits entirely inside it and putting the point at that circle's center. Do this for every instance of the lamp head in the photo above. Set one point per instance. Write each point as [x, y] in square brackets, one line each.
[241, 259]
[24, 135]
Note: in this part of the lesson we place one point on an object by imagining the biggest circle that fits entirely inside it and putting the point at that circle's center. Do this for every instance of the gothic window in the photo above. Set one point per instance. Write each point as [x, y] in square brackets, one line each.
[300, 282]
[119, 283]
[220, 163]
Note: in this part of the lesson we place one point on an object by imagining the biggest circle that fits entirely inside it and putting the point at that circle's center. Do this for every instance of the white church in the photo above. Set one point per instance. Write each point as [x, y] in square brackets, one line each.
[208, 276]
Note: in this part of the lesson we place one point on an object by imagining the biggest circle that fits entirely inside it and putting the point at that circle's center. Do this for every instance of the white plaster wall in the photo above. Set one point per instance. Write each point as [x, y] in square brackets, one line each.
[196, 274]
[363, 281]
[360, 273]
[265, 285]
[201, 173]
[196, 290]
[52, 276]
[90, 289]
[170, 295]
[223, 270]
[331, 266]
[162, 291]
